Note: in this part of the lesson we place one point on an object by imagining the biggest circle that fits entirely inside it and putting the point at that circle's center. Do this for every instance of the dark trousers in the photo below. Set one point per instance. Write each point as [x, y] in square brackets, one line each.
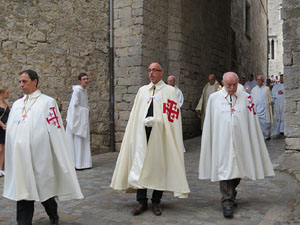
[228, 191]
[25, 210]
[141, 196]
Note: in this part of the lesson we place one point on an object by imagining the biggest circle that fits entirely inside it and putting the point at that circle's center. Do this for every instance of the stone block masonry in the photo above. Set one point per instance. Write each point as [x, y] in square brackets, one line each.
[59, 39]
[291, 43]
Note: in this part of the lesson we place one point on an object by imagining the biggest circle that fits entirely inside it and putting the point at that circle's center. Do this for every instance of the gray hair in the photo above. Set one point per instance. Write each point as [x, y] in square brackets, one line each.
[231, 73]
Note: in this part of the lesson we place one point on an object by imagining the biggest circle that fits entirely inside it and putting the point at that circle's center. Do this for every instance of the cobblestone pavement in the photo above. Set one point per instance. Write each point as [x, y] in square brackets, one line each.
[265, 202]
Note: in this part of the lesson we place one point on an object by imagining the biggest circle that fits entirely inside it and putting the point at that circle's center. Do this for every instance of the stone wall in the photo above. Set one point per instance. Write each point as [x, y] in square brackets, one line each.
[205, 49]
[249, 54]
[291, 59]
[59, 39]
[275, 35]
[189, 38]
[190, 42]
[129, 72]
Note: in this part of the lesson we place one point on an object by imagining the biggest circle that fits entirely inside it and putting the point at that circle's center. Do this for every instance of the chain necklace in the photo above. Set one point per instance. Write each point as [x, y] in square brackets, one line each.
[232, 109]
[25, 111]
[151, 97]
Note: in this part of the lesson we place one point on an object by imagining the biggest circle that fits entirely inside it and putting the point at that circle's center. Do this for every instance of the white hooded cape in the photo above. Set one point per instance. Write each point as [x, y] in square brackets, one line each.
[38, 160]
[232, 145]
[160, 164]
[78, 128]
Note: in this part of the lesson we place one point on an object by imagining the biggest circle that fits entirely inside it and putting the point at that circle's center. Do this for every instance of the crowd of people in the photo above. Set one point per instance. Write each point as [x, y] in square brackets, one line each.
[41, 158]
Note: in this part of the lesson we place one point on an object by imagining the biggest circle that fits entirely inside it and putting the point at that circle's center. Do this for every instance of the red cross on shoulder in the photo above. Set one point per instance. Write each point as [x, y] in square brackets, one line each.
[171, 109]
[52, 118]
[251, 105]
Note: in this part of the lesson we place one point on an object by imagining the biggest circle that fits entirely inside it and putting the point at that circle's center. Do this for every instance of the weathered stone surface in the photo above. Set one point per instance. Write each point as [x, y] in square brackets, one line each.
[59, 39]
[292, 143]
[291, 11]
[276, 36]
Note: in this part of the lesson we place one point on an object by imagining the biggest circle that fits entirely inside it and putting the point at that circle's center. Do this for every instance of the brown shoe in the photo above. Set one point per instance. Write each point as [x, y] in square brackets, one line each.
[156, 209]
[139, 209]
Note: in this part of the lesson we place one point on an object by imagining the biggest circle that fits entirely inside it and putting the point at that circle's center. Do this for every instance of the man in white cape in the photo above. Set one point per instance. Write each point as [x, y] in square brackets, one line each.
[232, 145]
[278, 100]
[38, 160]
[78, 125]
[262, 101]
[211, 87]
[171, 81]
[151, 155]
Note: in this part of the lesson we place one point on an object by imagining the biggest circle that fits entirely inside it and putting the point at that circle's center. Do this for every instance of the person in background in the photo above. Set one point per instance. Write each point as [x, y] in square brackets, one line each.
[211, 87]
[171, 81]
[250, 84]
[278, 100]
[78, 124]
[263, 105]
[4, 113]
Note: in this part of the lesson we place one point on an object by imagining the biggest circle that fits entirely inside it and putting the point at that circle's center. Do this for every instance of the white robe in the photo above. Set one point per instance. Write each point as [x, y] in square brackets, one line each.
[180, 96]
[158, 164]
[78, 128]
[181, 100]
[278, 101]
[38, 160]
[261, 98]
[207, 91]
[232, 144]
[249, 85]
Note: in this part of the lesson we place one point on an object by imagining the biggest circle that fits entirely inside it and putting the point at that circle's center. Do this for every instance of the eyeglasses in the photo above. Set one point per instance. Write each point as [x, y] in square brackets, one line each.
[153, 70]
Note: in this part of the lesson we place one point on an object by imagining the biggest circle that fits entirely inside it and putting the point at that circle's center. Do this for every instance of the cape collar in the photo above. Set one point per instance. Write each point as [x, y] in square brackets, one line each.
[159, 85]
[225, 93]
[261, 86]
[33, 95]
[216, 83]
[78, 87]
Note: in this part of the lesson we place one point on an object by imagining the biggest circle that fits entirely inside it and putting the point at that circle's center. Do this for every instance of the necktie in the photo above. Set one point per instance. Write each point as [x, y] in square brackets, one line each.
[150, 109]
[150, 113]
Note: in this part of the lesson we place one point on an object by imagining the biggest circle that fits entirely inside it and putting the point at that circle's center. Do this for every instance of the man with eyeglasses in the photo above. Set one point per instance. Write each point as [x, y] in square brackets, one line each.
[151, 155]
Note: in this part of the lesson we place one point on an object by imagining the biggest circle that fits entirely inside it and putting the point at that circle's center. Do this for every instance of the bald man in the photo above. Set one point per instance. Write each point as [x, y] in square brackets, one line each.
[262, 99]
[151, 155]
[171, 82]
[232, 145]
[211, 87]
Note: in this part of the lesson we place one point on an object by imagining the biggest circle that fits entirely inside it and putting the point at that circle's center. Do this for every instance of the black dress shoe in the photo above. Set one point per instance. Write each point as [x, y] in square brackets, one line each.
[54, 221]
[156, 209]
[139, 209]
[228, 211]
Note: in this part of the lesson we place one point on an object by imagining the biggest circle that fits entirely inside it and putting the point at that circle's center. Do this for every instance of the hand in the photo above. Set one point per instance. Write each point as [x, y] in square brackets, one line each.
[148, 122]
[270, 103]
[4, 127]
[280, 92]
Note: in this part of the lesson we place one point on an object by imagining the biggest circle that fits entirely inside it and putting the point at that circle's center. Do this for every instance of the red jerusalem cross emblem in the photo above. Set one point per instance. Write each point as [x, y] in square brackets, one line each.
[251, 105]
[52, 118]
[171, 109]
